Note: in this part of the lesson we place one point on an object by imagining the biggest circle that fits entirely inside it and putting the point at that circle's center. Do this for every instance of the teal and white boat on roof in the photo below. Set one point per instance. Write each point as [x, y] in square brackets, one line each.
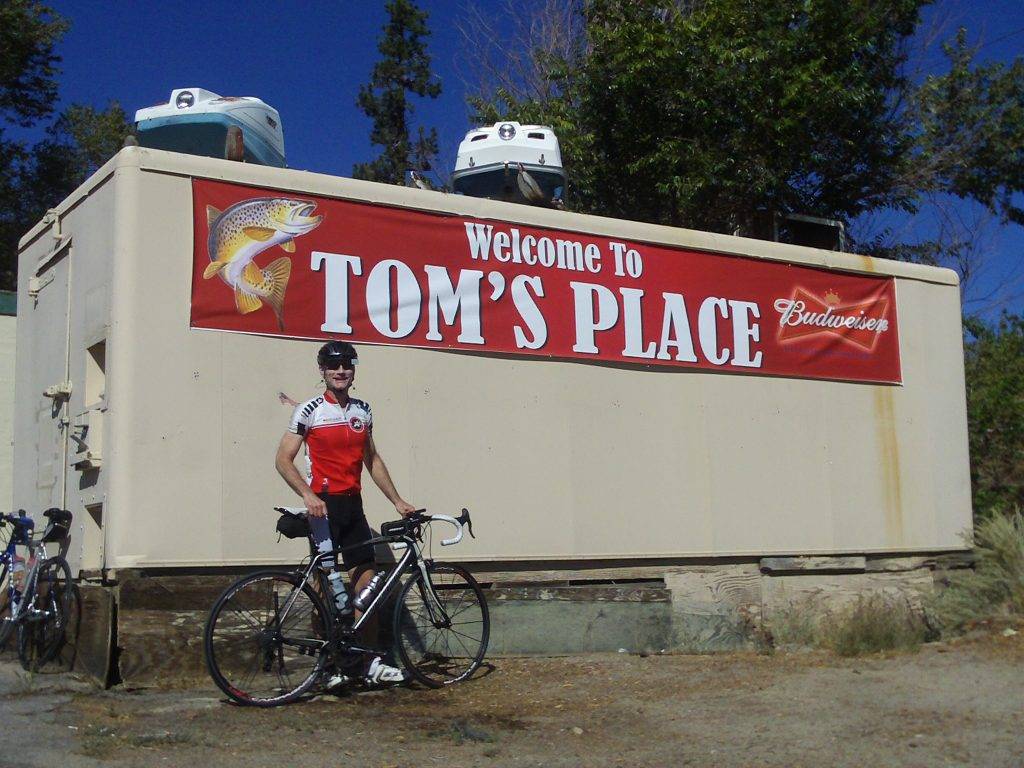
[198, 122]
[512, 162]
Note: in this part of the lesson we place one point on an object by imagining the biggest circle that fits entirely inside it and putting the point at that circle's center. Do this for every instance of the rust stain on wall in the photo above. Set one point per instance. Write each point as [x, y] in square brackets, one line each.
[889, 455]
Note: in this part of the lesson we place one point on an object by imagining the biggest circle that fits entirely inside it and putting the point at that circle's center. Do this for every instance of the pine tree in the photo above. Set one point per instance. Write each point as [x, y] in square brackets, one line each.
[35, 178]
[403, 70]
[29, 32]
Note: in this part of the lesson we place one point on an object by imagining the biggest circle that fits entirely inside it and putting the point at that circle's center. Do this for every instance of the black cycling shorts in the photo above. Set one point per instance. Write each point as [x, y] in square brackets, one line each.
[349, 528]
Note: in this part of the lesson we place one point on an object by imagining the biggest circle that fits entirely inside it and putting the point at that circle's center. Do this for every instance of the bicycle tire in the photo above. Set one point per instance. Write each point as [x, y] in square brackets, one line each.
[434, 654]
[40, 638]
[6, 574]
[255, 658]
[6, 625]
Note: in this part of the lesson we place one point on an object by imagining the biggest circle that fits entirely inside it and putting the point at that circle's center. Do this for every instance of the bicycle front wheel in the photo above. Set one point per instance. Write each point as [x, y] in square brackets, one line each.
[442, 634]
[265, 637]
[41, 629]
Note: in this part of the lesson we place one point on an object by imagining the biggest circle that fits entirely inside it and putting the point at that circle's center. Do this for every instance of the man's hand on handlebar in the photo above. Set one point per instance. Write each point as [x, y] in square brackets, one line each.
[404, 508]
[315, 506]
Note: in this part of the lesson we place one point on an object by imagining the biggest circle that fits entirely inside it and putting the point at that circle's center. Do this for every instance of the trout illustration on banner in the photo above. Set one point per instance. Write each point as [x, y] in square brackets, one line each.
[243, 232]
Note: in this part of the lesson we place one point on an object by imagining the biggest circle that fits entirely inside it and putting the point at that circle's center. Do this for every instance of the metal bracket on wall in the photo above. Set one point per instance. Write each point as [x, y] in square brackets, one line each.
[39, 281]
[52, 218]
[87, 459]
[60, 391]
[36, 283]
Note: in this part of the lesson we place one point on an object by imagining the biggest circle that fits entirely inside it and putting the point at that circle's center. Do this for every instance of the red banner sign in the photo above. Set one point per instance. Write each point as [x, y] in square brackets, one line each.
[287, 264]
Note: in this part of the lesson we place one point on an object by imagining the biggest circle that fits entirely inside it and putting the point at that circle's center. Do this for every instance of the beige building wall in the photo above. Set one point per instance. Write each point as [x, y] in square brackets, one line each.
[8, 329]
[556, 460]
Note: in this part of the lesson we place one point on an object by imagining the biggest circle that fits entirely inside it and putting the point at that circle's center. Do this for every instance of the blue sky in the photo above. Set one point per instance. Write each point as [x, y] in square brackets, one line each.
[309, 59]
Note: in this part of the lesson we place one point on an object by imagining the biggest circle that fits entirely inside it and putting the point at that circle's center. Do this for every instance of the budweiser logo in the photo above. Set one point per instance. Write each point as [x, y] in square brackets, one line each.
[860, 324]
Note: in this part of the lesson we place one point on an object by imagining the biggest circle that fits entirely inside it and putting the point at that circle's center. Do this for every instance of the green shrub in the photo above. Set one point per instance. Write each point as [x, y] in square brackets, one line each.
[995, 588]
[797, 624]
[872, 624]
[994, 370]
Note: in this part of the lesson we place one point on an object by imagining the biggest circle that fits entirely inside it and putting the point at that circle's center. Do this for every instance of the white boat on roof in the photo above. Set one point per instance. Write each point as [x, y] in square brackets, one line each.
[197, 122]
[510, 161]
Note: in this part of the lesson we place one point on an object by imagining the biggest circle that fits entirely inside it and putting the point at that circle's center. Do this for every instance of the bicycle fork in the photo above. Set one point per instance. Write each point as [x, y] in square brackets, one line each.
[435, 608]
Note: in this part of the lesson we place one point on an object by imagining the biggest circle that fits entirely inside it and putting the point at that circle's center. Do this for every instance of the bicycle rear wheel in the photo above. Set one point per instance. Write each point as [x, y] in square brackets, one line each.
[437, 650]
[265, 637]
[6, 626]
[5, 605]
[41, 629]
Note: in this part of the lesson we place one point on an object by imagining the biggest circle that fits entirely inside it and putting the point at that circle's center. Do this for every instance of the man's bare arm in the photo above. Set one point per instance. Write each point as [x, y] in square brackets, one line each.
[379, 472]
[285, 463]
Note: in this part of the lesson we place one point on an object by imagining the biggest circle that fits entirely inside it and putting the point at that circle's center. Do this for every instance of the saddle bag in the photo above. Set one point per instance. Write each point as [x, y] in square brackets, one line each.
[59, 524]
[293, 526]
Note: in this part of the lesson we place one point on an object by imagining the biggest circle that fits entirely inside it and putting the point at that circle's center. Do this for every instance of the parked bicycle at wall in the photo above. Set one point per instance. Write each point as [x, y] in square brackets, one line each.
[36, 590]
[271, 635]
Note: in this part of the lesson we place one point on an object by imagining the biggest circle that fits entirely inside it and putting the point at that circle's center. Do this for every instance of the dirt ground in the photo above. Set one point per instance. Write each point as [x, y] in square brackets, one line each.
[951, 704]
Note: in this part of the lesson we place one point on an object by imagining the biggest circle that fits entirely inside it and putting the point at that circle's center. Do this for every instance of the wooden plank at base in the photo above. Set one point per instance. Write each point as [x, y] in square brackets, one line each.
[88, 646]
[820, 594]
[160, 622]
[172, 592]
[490, 574]
[160, 647]
[890, 564]
[715, 607]
[855, 563]
[630, 593]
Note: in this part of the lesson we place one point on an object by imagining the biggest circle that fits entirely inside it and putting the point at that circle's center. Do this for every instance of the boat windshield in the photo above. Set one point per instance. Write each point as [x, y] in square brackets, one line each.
[206, 139]
[499, 183]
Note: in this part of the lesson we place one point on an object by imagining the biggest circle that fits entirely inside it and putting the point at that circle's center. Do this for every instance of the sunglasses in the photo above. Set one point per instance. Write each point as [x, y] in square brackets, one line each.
[347, 363]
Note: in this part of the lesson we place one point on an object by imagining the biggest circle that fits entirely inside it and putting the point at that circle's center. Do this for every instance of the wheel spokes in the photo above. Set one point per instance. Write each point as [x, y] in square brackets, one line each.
[443, 639]
[264, 640]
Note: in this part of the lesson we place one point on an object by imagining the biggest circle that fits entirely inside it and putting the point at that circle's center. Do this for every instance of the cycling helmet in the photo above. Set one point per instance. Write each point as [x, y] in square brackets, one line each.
[336, 350]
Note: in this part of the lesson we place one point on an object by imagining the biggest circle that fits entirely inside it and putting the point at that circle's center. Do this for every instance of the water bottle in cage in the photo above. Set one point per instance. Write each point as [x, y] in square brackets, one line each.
[366, 594]
[339, 592]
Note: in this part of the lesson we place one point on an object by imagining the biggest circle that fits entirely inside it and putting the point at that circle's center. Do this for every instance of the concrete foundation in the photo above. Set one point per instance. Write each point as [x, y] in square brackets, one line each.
[147, 629]
[571, 620]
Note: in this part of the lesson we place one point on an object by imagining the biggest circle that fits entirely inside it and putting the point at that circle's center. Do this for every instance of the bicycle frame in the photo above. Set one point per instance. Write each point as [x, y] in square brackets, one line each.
[411, 558]
[36, 555]
[38, 552]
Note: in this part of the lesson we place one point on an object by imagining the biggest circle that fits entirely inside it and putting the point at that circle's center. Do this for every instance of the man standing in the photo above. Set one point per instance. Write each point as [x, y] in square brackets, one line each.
[338, 432]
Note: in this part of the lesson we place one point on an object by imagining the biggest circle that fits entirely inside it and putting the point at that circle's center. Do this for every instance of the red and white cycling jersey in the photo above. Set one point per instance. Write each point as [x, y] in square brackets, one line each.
[335, 436]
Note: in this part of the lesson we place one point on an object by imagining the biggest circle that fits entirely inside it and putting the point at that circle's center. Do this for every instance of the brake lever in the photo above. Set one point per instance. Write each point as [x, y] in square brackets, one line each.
[465, 520]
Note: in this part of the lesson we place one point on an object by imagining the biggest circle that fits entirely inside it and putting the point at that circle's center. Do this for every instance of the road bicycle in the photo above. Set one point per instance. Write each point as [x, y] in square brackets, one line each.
[271, 635]
[36, 600]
